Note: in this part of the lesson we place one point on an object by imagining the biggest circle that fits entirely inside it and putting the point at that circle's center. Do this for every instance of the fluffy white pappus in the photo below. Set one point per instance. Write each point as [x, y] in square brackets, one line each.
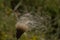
[26, 22]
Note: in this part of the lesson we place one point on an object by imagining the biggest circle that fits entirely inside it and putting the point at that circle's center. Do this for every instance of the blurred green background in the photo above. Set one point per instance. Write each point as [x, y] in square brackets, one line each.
[49, 9]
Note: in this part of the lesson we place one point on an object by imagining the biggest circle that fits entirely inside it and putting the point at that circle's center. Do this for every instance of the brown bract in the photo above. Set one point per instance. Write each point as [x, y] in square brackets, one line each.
[22, 26]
